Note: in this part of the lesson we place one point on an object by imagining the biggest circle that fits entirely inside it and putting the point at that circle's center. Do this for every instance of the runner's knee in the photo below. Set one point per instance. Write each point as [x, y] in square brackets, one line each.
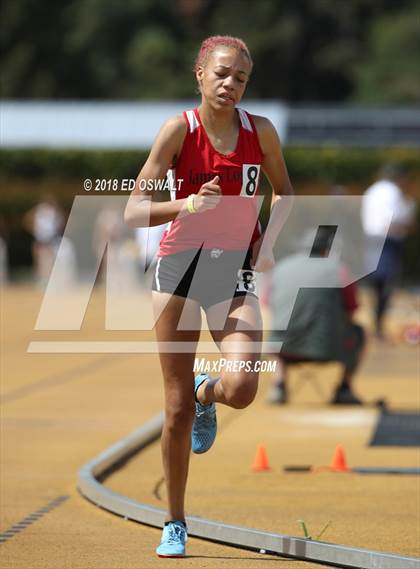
[179, 417]
[240, 396]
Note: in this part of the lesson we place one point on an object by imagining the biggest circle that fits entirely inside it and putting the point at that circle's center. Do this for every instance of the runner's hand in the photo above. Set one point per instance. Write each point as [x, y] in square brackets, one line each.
[209, 195]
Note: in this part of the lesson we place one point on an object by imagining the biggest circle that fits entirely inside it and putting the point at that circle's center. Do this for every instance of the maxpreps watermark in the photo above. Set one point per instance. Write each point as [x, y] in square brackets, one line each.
[201, 365]
[77, 265]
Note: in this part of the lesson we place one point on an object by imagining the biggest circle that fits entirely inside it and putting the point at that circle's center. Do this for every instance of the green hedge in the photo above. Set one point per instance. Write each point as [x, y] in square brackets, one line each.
[328, 165]
[341, 165]
[69, 164]
[26, 174]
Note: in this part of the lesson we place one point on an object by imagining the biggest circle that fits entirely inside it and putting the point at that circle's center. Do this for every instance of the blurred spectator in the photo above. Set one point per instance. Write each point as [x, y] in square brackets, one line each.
[109, 234]
[112, 236]
[4, 276]
[386, 196]
[45, 222]
[321, 328]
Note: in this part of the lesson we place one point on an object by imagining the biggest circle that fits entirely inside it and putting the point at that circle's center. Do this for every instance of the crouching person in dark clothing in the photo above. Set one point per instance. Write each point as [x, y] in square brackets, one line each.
[321, 328]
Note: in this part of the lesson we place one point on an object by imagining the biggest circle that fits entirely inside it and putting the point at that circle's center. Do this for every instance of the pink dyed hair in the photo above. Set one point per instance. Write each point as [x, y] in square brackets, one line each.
[213, 42]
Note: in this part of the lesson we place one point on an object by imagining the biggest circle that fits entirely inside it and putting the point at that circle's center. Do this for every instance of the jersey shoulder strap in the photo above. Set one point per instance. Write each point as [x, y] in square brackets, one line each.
[246, 120]
[191, 120]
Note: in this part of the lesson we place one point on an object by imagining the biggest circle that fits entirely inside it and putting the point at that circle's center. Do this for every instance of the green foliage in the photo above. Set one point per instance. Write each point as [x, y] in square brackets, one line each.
[69, 164]
[303, 50]
[329, 165]
[27, 174]
[389, 73]
[344, 165]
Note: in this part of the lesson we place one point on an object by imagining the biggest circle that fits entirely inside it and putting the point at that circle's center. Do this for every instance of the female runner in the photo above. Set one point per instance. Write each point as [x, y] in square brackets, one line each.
[208, 256]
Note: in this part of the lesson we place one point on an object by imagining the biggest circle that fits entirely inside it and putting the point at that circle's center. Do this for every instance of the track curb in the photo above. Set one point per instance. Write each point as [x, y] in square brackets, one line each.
[95, 471]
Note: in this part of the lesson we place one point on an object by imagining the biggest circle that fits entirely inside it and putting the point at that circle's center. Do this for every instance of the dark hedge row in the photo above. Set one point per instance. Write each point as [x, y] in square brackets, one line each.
[337, 165]
[27, 174]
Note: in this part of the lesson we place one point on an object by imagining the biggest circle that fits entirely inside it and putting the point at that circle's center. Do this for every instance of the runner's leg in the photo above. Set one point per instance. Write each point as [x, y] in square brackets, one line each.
[239, 341]
[177, 369]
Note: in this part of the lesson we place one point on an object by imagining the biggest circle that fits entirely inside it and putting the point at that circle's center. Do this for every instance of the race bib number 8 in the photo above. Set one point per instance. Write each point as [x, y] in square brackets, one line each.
[250, 177]
[246, 281]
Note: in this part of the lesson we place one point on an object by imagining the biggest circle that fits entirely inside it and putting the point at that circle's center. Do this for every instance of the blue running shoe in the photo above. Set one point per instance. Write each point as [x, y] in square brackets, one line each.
[174, 537]
[205, 425]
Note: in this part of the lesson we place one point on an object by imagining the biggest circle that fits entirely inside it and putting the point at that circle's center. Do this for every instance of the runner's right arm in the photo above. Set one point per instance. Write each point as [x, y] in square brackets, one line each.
[141, 209]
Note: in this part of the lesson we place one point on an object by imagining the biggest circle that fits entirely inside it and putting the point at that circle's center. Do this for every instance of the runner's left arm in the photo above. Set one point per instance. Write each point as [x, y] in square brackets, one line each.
[274, 168]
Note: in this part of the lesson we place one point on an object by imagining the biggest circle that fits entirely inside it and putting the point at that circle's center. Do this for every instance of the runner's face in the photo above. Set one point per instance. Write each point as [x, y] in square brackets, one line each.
[224, 77]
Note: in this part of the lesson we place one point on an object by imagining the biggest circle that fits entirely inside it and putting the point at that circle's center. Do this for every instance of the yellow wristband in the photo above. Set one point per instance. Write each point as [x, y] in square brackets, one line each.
[190, 203]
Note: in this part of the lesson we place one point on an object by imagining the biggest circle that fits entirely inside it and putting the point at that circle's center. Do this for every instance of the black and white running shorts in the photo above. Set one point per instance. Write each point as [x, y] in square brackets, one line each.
[208, 276]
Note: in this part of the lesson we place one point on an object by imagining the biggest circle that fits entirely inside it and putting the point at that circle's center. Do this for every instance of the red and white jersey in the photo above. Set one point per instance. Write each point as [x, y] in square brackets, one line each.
[233, 224]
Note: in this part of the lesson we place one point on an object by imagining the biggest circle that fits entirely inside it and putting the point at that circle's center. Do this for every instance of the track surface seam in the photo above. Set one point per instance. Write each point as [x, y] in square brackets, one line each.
[29, 520]
[46, 382]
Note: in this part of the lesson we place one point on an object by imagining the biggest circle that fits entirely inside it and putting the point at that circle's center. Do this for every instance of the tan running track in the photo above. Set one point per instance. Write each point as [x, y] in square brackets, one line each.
[58, 411]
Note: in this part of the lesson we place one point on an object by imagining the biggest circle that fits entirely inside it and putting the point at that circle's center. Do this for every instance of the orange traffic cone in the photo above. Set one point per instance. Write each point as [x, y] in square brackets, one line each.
[338, 463]
[261, 460]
